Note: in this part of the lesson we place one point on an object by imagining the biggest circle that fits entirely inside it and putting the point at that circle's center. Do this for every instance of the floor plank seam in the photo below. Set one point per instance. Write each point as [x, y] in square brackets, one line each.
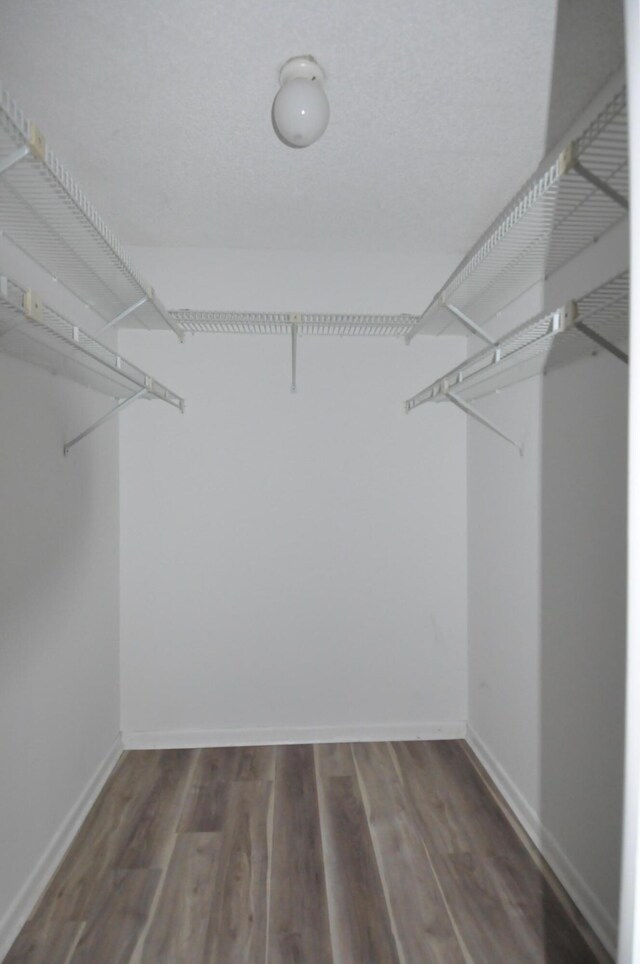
[383, 882]
[324, 848]
[139, 948]
[270, 819]
[77, 940]
[463, 947]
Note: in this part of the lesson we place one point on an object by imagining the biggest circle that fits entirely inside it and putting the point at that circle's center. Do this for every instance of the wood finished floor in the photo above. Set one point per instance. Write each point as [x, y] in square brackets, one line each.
[346, 853]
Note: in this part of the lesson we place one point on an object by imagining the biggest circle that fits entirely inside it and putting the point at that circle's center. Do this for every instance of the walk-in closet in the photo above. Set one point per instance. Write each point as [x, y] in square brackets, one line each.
[318, 633]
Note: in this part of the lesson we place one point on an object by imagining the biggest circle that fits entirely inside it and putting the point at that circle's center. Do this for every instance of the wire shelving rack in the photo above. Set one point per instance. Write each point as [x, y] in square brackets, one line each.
[33, 332]
[561, 210]
[293, 324]
[44, 213]
[550, 340]
[281, 323]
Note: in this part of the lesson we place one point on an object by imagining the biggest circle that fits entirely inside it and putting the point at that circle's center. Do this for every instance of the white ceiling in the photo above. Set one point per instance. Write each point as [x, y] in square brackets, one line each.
[161, 111]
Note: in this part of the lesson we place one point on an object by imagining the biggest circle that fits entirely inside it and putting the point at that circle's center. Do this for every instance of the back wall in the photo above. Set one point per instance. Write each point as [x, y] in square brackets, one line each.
[292, 566]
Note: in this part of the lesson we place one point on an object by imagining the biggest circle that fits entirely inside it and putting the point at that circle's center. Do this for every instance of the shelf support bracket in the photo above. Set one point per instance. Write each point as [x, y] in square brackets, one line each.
[8, 162]
[600, 185]
[114, 411]
[294, 321]
[474, 413]
[468, 323]
[603, 342]
[123, 314]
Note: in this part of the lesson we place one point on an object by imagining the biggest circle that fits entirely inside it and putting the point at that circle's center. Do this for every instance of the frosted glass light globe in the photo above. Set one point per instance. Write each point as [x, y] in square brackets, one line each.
[301, 108]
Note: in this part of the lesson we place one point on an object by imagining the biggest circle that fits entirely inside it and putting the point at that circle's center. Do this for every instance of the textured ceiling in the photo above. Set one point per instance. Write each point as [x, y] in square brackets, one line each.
[161, 111]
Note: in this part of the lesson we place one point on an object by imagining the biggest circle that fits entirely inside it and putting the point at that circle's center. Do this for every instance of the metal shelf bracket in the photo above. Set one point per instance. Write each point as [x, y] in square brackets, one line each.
[602, 342]
[569, 162]
[579, 323]
[601, 185]
[114, 411]
[4, 290]
[124, 314]
[11, 159]
[474, 413]
[468, 323]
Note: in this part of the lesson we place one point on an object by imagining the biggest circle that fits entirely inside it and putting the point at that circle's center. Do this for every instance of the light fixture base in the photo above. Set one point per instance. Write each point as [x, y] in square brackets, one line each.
[304, 66]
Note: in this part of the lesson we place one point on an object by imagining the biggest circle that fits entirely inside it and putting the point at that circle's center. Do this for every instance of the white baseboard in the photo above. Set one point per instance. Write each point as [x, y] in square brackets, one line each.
[34, 886]
[261, 736]
[603, 925]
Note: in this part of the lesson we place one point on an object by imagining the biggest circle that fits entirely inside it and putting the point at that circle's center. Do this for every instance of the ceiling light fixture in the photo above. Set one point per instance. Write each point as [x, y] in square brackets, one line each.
[301, 109]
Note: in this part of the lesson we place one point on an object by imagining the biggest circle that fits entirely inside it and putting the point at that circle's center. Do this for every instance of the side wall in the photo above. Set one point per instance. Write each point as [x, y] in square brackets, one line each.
[59, 675]
[293, 566]
[547, 577]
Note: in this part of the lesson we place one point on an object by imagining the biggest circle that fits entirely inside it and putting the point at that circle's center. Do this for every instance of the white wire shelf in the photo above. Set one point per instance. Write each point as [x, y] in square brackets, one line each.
[560, 211]
[236, 323]
[293, 325]
[45, 213]
[35, 333]
[547, 341]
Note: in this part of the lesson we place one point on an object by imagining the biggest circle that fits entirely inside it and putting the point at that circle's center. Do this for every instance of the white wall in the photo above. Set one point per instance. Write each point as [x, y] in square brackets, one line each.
[293, 566]
[547, 580]
[343, 282]
[59, 700]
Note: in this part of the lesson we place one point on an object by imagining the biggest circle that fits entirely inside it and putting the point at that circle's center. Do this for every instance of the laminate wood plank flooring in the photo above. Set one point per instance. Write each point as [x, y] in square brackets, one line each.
[424, 928]
[451, 801]
[238, 919]
[535, 910]
[111, 933]
[298, 912]
[208, 795]
[178, 927]
[129, 826]
[333, 854]
[502, 907]
[40, 943]
[360, 920]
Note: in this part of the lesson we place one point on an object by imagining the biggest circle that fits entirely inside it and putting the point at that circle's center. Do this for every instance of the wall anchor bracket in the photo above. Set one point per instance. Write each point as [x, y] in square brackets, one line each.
[474, 413]
[124, 314]
[11, 159]
[603, 342]
[114, 411]
[469, 323]
[600, 184]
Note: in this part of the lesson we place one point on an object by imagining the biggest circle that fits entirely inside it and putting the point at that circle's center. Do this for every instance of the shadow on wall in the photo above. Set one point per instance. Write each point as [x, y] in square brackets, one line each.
[583, 466]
